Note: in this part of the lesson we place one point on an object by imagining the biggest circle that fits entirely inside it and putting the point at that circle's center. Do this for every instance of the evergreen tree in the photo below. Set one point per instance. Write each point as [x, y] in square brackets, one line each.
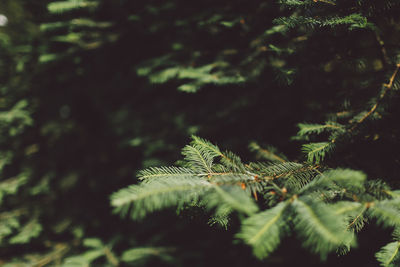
[93, 90]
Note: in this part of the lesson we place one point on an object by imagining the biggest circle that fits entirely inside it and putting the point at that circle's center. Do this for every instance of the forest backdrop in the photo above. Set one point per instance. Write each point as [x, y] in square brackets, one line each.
[93, 91]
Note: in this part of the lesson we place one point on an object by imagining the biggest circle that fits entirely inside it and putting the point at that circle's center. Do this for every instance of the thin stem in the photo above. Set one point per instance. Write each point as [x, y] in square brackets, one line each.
[388, 87]
[111, 258]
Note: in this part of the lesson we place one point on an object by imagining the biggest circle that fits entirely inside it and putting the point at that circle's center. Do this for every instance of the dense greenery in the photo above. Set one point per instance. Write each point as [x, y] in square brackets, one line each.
[305, 91]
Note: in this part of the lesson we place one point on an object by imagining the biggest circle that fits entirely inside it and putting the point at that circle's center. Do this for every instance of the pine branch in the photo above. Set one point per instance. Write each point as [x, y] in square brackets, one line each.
[263, 231]
[316, 152]
[11, 185]
[320, 227]
[138, 254]
[358, 220]
[346, 207]
[213, 149]
[233, 197]
[229, 159]
[336, 183]
[199, 159]
[389, 255]
[30, 230]
[277, 170]
[65, 6]
[233, 162]
[309, 128]
[353, 20]
[158, 194]
[164, 172]
[386, 212]
[351, 180]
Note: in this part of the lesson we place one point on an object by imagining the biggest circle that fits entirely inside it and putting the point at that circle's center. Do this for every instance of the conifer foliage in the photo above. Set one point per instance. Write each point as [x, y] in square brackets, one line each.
[325, 208]
[93, 90]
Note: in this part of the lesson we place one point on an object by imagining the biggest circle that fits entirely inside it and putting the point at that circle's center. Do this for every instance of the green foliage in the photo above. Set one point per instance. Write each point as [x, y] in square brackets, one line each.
[158, 194]
[388, 256]
[199, 183]
[135, 255]
[264, 231]
[198, 158]
[318, 208]
[199, 77]
[65, 6]
[386, 212]
[316, 152]
[28, 231]
[96, 250]
[163, 172]
[354, 181]
[16, 119]
[9, 222]
[11, 185]
[321, 229]
[353, 21]
[308, 129]
[91, 91]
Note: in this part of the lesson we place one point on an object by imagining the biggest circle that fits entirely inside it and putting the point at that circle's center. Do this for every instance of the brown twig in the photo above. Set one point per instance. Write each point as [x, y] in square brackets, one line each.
[111, 257]
[356, 218]
[388, 86]
[59, 251]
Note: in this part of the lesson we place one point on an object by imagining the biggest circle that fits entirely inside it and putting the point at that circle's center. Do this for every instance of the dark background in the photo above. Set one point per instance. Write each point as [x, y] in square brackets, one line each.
[97, 119]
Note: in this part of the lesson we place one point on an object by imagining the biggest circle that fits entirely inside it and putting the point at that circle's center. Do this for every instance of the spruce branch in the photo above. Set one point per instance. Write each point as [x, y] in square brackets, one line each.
[386, 212]
[158, 194]
[198, 159]
[316, 152]
[309, 128]
[357, 222]
[346, 207]
[229, 159]
[263, 231]
[326, 208]
[163, 172]
[389, 255]
[65, 6]
[231, 198]
[320, 227]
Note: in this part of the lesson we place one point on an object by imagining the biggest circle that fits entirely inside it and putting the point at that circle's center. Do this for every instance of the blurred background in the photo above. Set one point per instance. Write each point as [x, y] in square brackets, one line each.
[93, 91]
